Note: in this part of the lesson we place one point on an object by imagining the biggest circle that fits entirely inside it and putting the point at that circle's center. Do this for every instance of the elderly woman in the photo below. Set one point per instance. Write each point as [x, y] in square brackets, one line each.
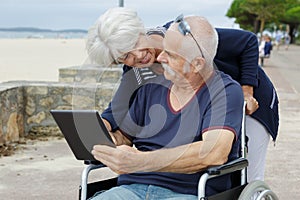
[119, 36]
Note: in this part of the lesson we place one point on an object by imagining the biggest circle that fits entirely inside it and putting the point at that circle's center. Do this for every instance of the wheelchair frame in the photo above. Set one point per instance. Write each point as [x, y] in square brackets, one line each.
[256, 190]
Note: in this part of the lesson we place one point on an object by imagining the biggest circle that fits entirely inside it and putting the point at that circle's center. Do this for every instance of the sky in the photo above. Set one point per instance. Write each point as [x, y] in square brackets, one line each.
[81, 14]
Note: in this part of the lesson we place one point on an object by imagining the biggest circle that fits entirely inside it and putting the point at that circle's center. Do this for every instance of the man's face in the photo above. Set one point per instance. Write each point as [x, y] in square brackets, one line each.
[173, 58]
[143, 54]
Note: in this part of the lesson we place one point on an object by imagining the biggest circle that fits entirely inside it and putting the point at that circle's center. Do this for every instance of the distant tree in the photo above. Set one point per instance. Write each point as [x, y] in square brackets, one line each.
[292, 18]
[265, 10]
[242, 17]
[256, 15]
[257, 12]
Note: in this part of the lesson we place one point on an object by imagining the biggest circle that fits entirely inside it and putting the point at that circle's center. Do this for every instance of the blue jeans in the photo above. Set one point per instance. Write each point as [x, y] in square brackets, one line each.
[141, 192]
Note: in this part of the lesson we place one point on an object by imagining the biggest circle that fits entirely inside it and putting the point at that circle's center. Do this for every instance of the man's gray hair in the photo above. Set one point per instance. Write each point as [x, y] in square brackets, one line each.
[206, 35]
[115, 32]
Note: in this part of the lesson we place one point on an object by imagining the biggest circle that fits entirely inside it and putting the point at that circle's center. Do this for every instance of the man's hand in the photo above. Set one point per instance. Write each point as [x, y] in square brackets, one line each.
[122, 159]
[117, 137]
[107, 124]
[120, 139]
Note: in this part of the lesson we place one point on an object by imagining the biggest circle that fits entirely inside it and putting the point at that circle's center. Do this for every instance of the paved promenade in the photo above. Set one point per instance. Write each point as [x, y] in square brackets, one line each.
[48, 170]
[283, 159]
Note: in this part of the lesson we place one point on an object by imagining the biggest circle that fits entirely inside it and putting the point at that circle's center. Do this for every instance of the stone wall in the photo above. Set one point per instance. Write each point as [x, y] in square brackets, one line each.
[25, 106]
[90, 74]
[11, 112]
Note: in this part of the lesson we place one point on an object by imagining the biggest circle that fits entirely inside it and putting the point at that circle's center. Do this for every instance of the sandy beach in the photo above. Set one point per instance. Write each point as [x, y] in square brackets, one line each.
[39, 59]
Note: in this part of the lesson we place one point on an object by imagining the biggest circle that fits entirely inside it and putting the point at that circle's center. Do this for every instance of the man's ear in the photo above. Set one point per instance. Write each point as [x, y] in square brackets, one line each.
[198, 64]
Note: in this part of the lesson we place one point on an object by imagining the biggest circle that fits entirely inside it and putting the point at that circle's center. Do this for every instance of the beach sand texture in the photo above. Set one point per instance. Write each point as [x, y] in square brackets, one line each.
[39, 59]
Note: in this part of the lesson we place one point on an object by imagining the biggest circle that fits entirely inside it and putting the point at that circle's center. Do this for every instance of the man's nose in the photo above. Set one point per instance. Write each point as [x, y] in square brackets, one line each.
[161, 58]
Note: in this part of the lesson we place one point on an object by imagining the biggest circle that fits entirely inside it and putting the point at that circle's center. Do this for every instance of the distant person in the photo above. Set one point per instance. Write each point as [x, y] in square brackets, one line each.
[287, 41]
[268, 46]
[265, 49]
[278, 39]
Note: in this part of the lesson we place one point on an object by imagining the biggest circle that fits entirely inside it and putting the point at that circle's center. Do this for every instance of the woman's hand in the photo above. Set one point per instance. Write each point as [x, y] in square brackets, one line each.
[252, 104]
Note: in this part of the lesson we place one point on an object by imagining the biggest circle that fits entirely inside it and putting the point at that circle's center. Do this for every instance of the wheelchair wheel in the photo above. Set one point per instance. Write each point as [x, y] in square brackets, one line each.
[257, 190]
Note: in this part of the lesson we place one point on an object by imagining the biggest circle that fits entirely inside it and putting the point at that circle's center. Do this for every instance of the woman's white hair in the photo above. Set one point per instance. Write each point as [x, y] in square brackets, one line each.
[115, 32]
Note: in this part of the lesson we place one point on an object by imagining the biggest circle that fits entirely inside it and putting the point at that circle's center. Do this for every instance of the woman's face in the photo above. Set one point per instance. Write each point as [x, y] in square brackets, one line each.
[143, 54]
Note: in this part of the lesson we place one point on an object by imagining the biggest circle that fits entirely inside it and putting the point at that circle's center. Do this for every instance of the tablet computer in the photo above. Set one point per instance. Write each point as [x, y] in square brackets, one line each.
[82, 130]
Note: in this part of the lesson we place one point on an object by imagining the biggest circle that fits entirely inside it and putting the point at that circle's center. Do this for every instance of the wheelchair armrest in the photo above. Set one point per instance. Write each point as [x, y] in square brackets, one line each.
[94, 162]
[235, 165]
[212, 172]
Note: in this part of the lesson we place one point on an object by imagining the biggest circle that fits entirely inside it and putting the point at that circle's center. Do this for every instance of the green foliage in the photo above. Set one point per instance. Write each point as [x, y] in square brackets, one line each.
[245, 19]
[292, 15]
[247, 12]
[268, 10]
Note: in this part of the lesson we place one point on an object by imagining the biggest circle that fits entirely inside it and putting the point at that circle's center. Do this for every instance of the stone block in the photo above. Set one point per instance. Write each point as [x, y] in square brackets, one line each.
[46, 102]
[12, 128]
[30, 106]
[36, 89]
[37, 119]
[90, 74]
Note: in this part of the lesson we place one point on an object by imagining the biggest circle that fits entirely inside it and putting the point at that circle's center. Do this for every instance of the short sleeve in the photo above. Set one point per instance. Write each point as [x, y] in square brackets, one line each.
[225, 110]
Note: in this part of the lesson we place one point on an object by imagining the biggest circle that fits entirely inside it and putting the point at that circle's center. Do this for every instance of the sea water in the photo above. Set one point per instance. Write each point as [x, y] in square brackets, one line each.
[21, 34]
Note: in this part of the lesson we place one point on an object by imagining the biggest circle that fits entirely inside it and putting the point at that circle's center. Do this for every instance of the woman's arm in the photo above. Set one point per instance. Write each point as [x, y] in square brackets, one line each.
[249, 70]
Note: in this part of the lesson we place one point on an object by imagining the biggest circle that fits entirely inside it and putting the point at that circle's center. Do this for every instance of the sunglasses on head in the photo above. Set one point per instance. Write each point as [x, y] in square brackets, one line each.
[185, 29]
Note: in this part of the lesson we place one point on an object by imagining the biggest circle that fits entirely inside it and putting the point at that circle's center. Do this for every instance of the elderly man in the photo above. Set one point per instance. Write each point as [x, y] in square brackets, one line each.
[180, 123]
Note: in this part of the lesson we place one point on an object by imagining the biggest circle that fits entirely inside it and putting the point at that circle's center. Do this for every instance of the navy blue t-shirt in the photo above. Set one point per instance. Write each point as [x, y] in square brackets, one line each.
[153, 124]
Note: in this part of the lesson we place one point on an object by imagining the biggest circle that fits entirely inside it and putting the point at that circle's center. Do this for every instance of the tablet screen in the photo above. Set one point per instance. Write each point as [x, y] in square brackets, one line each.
[82, 129]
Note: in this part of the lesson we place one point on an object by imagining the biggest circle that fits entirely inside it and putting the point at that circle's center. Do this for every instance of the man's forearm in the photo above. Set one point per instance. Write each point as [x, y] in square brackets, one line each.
[194, 157]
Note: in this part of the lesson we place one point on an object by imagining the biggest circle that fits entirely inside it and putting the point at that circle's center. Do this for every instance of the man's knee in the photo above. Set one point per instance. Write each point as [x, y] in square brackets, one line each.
[114, 193]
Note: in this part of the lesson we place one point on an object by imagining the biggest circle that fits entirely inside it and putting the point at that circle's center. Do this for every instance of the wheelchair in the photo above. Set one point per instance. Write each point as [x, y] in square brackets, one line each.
[241, 189]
